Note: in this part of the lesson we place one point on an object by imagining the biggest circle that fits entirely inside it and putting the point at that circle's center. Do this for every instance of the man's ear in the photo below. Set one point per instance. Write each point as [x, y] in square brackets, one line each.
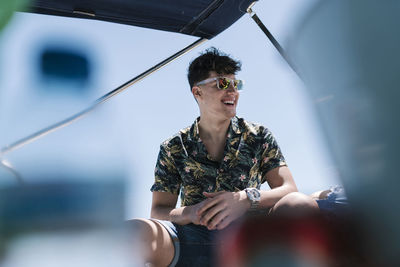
[196, 91]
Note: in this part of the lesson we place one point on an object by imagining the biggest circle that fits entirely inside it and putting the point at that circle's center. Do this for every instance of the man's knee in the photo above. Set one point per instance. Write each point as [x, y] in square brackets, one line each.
[295, 204]
[143, 228]
[149, 233]
[154, 241]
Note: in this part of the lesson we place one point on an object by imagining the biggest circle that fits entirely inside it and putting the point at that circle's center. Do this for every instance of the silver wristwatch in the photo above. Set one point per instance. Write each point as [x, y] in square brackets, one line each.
[253, 194]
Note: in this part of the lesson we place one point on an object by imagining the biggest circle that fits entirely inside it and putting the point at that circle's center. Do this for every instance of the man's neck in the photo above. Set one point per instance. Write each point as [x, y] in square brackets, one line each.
[213, 130]
[213, 135]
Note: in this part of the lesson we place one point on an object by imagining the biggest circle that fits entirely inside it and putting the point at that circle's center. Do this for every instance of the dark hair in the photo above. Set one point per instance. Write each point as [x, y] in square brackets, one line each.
[211, 60]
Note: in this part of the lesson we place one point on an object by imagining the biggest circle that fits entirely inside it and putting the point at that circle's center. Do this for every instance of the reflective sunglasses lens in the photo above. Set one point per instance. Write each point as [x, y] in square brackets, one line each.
[238, 84]
[223, 83]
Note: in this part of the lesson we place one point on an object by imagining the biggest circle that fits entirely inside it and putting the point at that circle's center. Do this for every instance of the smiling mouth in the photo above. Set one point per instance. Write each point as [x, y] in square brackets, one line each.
[229, 103]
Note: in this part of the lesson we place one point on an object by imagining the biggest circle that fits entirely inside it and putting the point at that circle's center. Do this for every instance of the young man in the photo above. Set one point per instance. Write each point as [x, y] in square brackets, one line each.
[218, 165]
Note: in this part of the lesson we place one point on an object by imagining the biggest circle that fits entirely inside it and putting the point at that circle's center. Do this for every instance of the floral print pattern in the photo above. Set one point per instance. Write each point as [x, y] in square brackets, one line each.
[184, 166]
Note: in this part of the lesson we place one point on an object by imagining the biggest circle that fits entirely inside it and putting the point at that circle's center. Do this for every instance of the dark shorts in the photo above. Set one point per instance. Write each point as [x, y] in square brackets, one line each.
[335, 203]
[195, 245]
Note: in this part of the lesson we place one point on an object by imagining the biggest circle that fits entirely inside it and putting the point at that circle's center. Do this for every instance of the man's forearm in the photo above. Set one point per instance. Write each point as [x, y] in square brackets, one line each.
[177, 215]
[281, 181]
[269, 198]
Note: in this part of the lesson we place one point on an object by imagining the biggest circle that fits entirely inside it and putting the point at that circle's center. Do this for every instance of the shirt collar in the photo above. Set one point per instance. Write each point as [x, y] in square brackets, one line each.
[194, 134]
[234, 127]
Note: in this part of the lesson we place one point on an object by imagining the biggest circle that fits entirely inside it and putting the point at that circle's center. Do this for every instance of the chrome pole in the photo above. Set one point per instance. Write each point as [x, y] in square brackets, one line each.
[33, 137]
[276, 44]
[7, 165]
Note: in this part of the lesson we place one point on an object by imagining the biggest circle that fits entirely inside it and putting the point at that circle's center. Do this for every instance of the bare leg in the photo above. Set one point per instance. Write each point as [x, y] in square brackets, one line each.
[295, 204]
[154, 242]
[323, 194]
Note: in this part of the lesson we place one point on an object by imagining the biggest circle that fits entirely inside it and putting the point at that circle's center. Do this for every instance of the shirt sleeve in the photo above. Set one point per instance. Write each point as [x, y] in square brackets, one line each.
[167, 178]
[272, 156]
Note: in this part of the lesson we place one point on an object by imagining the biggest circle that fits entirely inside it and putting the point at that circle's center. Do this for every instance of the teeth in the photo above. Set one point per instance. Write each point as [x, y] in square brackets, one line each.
[229, 102]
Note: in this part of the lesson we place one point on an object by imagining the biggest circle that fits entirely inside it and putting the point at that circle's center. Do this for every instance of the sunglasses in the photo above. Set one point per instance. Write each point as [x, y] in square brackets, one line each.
[223, 83]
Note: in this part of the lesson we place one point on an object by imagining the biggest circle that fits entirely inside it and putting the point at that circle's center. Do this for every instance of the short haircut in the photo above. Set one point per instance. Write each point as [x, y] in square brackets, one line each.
[211, 60]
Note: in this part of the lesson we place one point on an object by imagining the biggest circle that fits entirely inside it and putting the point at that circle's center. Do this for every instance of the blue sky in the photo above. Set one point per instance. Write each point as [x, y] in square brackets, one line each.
[124, 135]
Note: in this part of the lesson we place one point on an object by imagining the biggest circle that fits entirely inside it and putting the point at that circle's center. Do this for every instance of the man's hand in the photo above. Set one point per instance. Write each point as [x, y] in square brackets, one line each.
[194, 216]
[221, 208]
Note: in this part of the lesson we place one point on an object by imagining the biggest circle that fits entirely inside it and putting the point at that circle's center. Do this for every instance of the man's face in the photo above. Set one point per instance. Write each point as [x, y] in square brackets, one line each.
[214, 102]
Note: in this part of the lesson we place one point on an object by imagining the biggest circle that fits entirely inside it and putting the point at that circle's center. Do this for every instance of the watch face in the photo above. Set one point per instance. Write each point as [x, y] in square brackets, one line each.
[253, 194]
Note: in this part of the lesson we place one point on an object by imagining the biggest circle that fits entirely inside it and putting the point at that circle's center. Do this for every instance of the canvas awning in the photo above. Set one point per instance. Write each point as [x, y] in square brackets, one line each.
[202, 18]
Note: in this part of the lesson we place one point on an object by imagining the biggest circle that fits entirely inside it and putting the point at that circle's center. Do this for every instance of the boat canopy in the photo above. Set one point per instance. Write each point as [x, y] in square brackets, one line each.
[201, 18]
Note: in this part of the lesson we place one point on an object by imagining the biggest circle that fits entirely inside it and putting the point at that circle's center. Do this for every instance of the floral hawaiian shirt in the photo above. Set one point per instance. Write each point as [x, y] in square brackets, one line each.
[184, 165]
